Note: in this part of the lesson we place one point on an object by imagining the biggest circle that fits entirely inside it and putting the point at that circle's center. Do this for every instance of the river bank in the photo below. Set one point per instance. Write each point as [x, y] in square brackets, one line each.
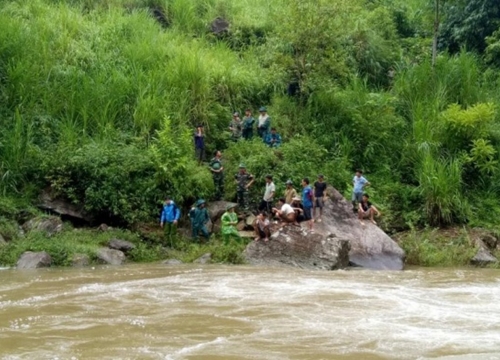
[66, 245]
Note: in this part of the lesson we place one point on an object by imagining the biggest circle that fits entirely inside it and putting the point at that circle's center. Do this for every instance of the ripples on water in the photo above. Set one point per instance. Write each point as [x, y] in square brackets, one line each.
[224, 312]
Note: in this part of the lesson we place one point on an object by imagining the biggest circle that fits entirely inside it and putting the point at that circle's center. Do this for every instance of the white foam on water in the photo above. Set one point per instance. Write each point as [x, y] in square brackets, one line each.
[180, 312]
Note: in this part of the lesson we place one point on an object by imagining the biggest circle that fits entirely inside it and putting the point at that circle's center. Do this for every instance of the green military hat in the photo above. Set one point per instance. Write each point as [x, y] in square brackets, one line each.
[230, 206]
[200, 202]
[242, 166]
[262, 109]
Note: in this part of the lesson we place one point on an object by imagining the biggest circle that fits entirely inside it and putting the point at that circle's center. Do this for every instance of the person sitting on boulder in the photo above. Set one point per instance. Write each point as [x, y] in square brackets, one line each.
[229, 221]
[273, 139]
[264, 123]
[199, 219]
[290, 192]
[248, 122]
[366, 209]
[286, 213]
[236, 127]
[299, 209]
[261, 227]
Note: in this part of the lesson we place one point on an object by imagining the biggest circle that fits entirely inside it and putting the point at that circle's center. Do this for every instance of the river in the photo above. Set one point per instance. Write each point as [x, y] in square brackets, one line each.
[238, 312]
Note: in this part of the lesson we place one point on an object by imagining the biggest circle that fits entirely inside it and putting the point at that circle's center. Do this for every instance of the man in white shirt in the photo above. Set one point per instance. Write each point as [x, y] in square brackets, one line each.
[286, 213]
[267, 202]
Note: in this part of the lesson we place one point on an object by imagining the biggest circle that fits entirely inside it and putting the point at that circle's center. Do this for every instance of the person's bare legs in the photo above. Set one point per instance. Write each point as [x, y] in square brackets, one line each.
[256, 229]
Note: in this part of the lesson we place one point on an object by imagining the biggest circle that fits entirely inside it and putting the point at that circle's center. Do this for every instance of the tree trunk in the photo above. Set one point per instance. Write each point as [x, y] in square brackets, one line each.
[436, 31]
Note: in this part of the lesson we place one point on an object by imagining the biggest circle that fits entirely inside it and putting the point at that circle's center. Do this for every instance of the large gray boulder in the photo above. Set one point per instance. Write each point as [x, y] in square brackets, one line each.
[34, 260]
[370, 246]
[121, 245]
[62, 207]
[49, 224]
[217, 208]
[293, 246]
[111, 256]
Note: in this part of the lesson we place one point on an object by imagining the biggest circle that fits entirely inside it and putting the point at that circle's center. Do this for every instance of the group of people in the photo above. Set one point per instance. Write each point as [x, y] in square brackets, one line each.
[242, 129]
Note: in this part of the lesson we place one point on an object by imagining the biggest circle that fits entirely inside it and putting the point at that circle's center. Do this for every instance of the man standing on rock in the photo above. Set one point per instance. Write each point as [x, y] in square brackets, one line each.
[218, 175]
[290, 192]
[307, 203]
[248, 122]
[264, 123]
[267, 201]
[199, 219]
[319, 196]
[359, 182]
[243, 180]
[169, 218]
[229, 221]
[236, 127]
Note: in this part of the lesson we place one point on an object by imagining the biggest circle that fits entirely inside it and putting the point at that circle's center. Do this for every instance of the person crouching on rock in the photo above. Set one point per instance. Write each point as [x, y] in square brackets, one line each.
[261, 227]
[367, 210]
[229, 221]
[285, 212]
[299, 210]
[199, 219]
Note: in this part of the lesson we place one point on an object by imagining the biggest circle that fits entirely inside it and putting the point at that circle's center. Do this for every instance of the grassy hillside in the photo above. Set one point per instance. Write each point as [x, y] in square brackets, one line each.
[98, 100]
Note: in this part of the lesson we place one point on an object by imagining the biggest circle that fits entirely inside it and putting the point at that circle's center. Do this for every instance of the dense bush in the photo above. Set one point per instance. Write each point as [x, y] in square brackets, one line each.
[98, 101]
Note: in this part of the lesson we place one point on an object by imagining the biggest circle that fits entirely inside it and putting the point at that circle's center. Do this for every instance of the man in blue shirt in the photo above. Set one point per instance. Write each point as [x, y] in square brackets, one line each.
[169, 218]
[359, 182]
[273, 139]
[307, 202]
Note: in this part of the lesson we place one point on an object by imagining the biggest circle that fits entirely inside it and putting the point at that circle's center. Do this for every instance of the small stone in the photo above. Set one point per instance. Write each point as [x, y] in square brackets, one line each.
[241, 226]
[204, 259]
[34, 260]
[121, 245]
[111, 256]
[172, 262]
[103, 228]
[80, 260]
[249, 221]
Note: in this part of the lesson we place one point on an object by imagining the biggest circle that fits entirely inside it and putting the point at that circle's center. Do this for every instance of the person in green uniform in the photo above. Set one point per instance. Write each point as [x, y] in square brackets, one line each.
[229, 221]
[243, 180]
[236, 127]
[199, 219]
[248, 122]
[218, 175]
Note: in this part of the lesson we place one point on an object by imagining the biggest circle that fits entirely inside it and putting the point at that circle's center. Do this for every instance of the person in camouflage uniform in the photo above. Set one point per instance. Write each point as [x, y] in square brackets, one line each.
[243, 180]
[236, 127]
[218, 175]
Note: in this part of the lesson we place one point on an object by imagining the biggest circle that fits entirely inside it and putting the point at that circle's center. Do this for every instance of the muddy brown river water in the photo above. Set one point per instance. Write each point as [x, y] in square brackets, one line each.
[239, 312]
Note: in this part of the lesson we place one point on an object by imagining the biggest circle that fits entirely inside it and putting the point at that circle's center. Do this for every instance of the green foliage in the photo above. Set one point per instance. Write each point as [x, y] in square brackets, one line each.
[468, 23]
[63, 246]
[222, 253]
[440, 186]
[98, 102]
[433, 248]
